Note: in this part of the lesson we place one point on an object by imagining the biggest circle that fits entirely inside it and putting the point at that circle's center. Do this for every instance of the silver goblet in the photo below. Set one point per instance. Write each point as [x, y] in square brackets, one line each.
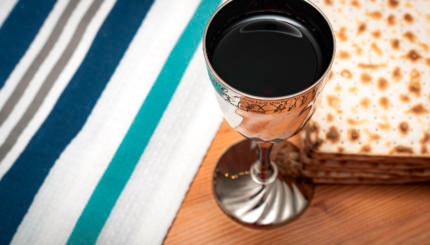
[248, 186]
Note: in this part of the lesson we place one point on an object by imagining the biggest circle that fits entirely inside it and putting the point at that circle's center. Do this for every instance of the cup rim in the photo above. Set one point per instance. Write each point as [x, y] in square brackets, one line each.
[276, 98]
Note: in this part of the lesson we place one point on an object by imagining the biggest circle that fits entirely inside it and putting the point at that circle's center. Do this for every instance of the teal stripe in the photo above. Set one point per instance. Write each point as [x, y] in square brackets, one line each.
[134, 143]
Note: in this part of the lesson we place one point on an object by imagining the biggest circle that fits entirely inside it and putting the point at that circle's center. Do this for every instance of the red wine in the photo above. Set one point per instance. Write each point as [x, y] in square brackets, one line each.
[268, 56]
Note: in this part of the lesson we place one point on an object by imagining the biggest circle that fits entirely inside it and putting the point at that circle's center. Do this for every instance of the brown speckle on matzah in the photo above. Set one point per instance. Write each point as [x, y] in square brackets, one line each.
[376, 15]
[426, 138]
[365, 103]
[358, 49]
[424, 46]
[414, 85]
[424, 141]
[313, 127]
[404, 98]
[341, 35]
[355, 3]
[366, 149]
[342, 54]
[402, 149]
[388, 144]
[413, 55]
[408, 18]
[376, 34]
[353, 122]
[333, 135]
[409, 36]
[409, 5]
[365, 78]
[353, 134]
[393, 3]
[375, 48]
[328, 2]
[371, 66]
[397, 74]
[353, 90]
[404, 128]
[395, 43]
[391, 20]
[346, 73]
[384, 126]
[361, 28]
[384, 102]
[382, 83]
[418, 109]
[334, 102]
[372, 136]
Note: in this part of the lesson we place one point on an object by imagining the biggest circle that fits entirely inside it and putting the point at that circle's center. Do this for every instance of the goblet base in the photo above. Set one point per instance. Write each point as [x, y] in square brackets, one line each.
[255, 203]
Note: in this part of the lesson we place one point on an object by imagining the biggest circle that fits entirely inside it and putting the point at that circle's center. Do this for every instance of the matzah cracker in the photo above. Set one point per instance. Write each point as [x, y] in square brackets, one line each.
[375, 108]
[377, 100]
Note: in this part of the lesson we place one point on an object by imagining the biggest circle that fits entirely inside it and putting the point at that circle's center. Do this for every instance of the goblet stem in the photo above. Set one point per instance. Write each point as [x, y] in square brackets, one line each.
[254, 190]
[264, 171]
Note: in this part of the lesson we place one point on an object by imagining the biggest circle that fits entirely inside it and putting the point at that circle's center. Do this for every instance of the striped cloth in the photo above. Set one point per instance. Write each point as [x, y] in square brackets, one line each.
[106, 112]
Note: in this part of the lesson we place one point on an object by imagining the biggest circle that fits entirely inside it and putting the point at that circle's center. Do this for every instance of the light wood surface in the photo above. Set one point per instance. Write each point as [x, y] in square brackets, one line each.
[338, 214]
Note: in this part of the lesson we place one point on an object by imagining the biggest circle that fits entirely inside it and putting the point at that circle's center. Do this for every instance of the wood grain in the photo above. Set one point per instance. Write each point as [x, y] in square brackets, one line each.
[338, 214]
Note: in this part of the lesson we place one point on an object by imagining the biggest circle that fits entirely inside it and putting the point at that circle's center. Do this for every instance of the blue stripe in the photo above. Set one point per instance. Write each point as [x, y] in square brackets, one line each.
[21, 183]
[113, 181]
[18, 32]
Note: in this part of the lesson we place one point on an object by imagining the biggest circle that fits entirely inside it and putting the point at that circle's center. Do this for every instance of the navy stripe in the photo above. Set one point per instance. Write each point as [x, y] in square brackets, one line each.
[21, 183]
[18, 32]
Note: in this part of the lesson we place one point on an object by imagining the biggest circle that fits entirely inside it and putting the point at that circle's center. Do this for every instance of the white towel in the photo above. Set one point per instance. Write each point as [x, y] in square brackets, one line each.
[106, 113]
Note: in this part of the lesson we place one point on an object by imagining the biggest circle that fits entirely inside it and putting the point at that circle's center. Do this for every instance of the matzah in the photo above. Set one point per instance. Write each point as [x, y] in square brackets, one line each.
[373, 121]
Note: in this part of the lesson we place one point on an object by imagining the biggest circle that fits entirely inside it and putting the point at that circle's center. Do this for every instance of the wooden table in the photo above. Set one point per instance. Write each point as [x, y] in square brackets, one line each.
[338, 214]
